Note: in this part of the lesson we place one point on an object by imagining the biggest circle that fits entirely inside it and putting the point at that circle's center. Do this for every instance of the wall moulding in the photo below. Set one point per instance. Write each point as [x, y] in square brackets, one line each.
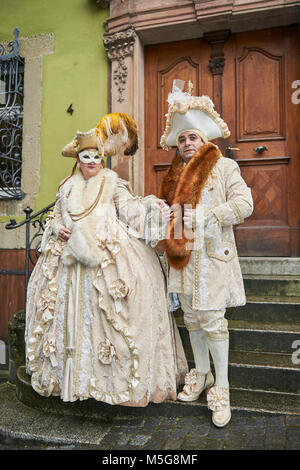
[118, 46]
[167, 20]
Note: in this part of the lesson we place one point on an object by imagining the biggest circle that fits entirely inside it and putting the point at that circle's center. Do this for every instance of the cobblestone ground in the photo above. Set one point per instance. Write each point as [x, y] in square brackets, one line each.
[273, 432]
[22, 427]
[190, 433]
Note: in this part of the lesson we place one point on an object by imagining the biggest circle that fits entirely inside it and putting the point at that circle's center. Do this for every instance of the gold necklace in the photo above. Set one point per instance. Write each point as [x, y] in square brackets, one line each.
[86, 212]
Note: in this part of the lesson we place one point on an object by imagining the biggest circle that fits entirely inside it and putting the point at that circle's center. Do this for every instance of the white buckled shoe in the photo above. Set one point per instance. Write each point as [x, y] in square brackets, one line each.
[218, 402]
[195, 383]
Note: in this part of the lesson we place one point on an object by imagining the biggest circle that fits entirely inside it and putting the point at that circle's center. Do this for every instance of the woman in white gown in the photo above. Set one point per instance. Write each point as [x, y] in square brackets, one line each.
[97, 321]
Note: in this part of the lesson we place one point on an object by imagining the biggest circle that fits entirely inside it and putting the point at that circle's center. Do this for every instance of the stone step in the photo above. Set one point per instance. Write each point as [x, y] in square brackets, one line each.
[263, 337]
[260, 371]
[267, 309]
[268, 285]
[260, 337]
[283, 361]
[242, 401]
[264, 372]
[257, 369]
[276, 266]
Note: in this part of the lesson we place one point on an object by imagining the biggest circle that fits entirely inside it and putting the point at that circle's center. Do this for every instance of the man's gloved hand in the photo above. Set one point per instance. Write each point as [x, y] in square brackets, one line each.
[188, 218]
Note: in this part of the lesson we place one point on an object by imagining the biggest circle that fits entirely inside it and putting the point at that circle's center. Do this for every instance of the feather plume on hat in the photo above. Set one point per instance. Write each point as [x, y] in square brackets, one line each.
[114, 131]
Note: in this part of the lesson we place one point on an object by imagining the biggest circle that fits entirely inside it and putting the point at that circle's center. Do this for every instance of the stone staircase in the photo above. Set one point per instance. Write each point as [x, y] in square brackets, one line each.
[264, 366]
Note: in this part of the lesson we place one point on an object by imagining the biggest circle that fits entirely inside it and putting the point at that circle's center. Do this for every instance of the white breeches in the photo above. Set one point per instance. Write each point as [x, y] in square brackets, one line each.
[212, 322]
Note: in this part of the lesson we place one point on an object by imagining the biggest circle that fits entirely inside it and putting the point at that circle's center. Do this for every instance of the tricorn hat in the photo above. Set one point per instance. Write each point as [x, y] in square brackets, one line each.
[82, 141]
[188, 112]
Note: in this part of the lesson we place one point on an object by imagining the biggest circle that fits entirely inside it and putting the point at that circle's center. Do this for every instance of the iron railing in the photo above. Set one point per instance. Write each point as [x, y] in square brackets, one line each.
[11, 119]
[33, 243]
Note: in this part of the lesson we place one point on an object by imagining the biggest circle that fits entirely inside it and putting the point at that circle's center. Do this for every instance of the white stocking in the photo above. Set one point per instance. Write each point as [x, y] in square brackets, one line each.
[200, 351]
[219, 351]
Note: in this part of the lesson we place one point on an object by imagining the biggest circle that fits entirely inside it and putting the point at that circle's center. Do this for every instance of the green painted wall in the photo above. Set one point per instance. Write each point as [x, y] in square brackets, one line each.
[76, 73]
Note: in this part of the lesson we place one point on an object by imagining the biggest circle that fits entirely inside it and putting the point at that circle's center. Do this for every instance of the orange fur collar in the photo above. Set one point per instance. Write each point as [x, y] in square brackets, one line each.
[180, 186]
[168, 186]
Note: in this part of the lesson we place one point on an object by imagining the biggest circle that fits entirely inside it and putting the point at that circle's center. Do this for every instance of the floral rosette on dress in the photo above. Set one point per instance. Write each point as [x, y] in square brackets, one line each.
[118, 290]
[106, 352]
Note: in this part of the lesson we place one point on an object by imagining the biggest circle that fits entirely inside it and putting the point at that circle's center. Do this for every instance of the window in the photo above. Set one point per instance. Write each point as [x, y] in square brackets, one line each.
[11, 119]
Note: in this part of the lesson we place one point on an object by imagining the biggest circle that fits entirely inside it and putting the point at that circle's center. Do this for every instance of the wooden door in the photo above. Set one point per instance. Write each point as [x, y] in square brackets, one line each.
[186, 60]
[253, 92]
[12, 291]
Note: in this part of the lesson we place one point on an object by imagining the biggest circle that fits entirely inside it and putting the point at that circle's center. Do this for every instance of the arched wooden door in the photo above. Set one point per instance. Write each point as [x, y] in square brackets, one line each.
[250, 78]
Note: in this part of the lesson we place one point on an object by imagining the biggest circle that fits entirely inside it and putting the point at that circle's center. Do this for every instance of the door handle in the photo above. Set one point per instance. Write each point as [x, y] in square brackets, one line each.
[229, 151]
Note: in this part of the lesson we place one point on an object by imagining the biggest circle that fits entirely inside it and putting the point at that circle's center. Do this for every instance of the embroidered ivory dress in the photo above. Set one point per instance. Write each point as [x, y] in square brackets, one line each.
[97, 319]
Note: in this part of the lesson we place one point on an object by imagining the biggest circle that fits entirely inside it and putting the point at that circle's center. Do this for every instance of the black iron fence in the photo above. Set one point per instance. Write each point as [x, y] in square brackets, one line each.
[35, 227]
[33, 242]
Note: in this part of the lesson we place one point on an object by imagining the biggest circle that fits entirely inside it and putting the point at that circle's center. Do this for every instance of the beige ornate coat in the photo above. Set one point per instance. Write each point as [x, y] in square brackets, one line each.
[213, 274]
[97, 319]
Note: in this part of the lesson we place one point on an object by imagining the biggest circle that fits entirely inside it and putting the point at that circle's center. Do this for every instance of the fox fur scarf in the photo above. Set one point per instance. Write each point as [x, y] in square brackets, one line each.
[183, 185]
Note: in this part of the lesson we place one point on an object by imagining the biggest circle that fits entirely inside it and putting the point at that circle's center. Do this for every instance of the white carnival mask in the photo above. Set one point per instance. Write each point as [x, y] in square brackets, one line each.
[89, 156]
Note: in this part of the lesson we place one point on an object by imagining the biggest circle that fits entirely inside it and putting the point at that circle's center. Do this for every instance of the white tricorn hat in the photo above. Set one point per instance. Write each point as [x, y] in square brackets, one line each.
[187, 112]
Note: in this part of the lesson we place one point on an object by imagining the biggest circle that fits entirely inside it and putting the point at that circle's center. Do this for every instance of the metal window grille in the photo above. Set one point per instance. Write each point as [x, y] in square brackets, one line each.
[11, 119]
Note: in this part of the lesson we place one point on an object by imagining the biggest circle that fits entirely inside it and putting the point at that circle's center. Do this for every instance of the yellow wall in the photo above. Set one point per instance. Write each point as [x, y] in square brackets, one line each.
[76, 73]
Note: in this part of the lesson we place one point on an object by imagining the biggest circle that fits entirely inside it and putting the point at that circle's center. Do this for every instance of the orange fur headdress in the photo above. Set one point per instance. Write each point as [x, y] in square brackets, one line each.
[116, 130]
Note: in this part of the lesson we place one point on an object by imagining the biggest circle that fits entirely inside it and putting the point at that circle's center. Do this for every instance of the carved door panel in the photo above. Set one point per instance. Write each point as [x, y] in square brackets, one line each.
[258, 107]
[186, 60]
[254, 95]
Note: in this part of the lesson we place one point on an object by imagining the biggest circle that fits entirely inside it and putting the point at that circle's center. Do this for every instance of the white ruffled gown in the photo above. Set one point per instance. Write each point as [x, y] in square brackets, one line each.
[97, 321]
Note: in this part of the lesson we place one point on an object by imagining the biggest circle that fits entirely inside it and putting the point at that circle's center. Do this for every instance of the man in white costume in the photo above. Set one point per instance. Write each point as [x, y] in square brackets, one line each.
[208, 196]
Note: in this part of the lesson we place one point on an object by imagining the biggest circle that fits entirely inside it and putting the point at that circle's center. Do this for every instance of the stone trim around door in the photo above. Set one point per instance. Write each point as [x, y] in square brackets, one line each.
[126, 94]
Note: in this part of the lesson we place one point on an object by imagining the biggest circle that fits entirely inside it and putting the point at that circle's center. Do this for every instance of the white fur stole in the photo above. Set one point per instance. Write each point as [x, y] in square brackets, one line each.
[77, 195]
